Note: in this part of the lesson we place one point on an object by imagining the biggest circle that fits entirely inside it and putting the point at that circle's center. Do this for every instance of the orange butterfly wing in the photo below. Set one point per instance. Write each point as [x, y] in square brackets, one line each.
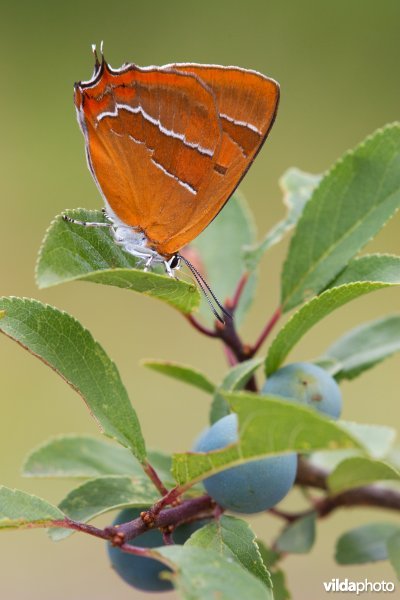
[247, 104]
[168, 145]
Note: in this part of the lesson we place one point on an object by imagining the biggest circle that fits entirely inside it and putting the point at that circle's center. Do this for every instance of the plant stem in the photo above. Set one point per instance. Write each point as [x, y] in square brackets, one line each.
[368, 495]
[266, 331]
[310, 475]
[189, 510]
[235, 350]
[230, 357]
[152, 474]
[288, 517]
[228, 334]
[205, 507]
[167, 538]
[136, 550]
[197, 325]
[82, 527]
[172, 497]
[316, 477]
[232, 304]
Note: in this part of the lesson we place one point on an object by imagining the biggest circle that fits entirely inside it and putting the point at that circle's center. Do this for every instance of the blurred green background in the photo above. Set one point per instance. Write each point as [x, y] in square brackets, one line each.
[337, 63]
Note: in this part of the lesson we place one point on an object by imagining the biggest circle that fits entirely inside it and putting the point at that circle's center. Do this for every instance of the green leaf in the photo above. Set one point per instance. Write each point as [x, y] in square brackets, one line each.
[393, 456]
[182, 373]
[267, 426]
[280, 589]
[330, 365]
[298, 537]
[218, 253]
[233, 538]
[370, 268]
[365, 346]
[351, 204]
[101, 495]
[64, 345]
[270, 559]
[71, 252]
[312, 312]
[80, 456]
[86, 457]
[375, 439]
[357, 471]
[297, 187]
[202, 574]
[393, 549]
[235, 379]
[329, 459]
[19, 510]
[365, 544]
[269, 556]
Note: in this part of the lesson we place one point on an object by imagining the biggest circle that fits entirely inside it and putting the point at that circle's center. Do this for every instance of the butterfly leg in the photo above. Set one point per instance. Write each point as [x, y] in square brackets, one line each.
[85, 223]
[118, 240]
[130, 241]
[107, 216]
[168, 269]
[148, 263]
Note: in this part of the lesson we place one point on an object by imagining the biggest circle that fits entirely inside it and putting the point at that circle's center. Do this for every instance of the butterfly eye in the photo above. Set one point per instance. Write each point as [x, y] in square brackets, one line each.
[175, 262]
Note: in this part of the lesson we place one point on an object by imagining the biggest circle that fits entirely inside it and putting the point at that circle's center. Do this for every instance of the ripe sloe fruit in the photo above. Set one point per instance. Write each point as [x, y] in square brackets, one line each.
[307, 384]
[252, 487]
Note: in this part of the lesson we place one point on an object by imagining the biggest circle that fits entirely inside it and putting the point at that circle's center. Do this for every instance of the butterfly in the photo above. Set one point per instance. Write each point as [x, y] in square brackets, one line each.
[167, 146]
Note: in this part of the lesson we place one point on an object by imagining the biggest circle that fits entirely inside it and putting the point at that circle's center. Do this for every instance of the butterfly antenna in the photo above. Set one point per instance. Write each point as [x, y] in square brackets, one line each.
[207, 291]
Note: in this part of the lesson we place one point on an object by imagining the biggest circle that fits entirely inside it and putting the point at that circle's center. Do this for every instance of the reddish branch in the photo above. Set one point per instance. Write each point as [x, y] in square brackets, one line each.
[202, 507]
[310, 475]
[78, 526]
[197, 325]
[227, 333]
[230, 357]
[168, 538]
[266, 331]
[235, 350]
[152, 474]
[232, 303]
[368, 495]
[230, 337]
[315, 477]
[188, 511]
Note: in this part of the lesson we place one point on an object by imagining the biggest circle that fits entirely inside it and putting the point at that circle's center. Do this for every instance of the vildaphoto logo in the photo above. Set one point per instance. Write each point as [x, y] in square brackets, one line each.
[358, 587]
